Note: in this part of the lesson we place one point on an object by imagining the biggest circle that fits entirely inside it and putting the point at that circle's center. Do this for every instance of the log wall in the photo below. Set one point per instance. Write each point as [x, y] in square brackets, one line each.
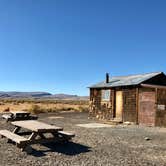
[146, 106]
[106, 109]
[161, 108]
[98, 108]
[129, 105]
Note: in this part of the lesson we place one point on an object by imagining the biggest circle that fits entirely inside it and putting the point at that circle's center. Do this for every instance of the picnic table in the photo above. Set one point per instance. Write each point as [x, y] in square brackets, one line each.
[18, 115]
[39, 132]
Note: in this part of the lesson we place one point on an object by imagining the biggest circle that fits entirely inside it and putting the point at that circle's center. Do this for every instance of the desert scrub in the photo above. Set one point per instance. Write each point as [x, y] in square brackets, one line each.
[83, 109]
[6, 109]
[36, 109]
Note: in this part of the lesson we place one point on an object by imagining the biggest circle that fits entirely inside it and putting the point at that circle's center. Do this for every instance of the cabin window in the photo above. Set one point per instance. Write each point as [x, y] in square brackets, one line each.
[105, 95]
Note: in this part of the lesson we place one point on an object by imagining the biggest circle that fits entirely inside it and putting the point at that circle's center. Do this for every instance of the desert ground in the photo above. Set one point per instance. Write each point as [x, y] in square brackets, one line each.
[113, 145]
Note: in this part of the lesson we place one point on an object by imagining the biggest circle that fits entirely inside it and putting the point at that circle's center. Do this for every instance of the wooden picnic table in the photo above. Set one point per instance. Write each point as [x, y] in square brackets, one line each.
[23, 113]
[38, 132]
[18, 115]
[36, 126]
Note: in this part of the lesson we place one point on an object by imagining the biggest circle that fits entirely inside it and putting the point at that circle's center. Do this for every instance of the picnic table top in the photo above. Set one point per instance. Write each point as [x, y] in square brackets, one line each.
[36, 126]
[19, 112]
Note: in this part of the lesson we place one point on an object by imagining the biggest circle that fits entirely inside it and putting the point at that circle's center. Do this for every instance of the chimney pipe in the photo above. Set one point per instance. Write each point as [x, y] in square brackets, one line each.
[107, 78]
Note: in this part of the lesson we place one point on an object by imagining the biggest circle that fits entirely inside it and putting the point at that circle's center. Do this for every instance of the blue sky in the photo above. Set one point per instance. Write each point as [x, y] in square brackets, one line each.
[63, 46]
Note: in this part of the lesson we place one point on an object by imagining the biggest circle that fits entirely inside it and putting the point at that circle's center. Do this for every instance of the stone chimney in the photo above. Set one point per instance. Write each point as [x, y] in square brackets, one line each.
[107, 78]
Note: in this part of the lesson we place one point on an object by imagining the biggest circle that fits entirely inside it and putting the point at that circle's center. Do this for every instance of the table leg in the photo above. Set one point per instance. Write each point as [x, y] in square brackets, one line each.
[42, 136]
[59, 138]
[16, 129]
[33, 136]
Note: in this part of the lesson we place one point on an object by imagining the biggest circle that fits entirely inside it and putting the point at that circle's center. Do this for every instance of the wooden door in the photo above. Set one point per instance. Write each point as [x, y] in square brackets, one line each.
[146, 113]
[119, 105]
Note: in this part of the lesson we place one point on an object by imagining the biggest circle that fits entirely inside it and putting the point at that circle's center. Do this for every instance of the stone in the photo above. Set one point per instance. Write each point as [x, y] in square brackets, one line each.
[147, 138]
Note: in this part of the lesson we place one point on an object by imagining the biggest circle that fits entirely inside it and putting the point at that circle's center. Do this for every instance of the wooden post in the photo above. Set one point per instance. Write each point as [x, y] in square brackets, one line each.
[137, 104]
[113, 104]
[156, 91]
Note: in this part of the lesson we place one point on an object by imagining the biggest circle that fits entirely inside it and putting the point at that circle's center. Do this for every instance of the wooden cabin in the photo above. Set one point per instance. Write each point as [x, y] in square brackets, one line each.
[135, 98]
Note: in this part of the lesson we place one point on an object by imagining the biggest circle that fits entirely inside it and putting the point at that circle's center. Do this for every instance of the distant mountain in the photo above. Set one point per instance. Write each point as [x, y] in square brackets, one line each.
[68, 97]
[44, 95]
[23, 94]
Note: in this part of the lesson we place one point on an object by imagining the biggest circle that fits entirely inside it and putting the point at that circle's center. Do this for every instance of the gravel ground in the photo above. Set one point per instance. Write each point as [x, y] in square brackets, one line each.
[114, 146]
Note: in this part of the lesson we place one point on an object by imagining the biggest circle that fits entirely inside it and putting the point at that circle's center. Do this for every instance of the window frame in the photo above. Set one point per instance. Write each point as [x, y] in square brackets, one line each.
[105, 94]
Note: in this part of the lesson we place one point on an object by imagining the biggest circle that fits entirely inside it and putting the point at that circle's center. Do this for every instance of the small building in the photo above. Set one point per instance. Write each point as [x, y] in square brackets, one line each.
[135, 98]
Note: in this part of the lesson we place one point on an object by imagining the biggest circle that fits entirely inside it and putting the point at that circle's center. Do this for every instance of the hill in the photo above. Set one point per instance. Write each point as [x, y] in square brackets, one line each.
[41, 95]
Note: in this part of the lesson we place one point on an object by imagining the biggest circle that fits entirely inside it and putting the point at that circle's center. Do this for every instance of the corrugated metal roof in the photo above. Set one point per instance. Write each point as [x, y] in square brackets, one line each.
[125, 80]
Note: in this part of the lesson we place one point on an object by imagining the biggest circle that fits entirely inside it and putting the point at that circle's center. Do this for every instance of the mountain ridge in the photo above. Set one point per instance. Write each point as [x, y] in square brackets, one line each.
[44, 95]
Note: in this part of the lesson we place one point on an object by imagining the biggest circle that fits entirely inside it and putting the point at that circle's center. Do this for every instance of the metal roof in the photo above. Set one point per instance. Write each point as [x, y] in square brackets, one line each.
[125, 80]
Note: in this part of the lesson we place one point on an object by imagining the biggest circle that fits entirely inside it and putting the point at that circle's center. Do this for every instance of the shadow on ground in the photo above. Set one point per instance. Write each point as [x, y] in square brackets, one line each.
[69, 148]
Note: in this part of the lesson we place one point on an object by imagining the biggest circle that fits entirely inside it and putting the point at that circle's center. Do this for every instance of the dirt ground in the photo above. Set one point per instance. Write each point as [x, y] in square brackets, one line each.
[110, 146]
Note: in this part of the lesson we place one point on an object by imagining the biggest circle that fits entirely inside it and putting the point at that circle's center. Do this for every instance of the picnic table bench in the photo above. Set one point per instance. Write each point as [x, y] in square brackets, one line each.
[18, 115]
[16, 138]
[39, 133]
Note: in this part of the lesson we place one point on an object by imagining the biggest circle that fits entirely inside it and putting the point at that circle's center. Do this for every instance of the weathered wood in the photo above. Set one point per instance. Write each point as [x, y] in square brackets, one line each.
[147, 107]
[129, 104]
[14, 137]
[7, 117]
[36, 126]
[137, 103]
[152, 112]
[33, 136]
[38, 129]
[20, 113]
[67, 134]
[153, 86]
[119, 105]
[16, 129]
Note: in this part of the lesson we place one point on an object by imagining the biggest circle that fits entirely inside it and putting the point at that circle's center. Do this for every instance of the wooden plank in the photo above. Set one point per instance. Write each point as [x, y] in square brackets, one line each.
[48, 140]
[119, 104]
[16, 129]
[6, 116]
[69, 134]
[153, 86]
[137, 103]
[14, 137]
[20, 112]
[156, 92]
[36, 126]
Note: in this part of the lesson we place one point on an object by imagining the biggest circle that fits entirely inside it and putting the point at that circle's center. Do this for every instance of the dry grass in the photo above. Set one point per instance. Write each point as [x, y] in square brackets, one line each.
[38, 106]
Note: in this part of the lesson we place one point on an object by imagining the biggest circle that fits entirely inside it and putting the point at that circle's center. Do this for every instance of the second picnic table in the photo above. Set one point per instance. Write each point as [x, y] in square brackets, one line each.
[19, 115]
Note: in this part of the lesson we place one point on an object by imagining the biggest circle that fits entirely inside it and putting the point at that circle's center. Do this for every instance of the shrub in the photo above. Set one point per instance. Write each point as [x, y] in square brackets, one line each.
[6, 109]
[83, 109]
[36, 109]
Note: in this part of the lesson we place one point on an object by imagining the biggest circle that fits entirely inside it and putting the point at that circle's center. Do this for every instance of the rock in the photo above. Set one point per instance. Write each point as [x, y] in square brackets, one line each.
[127, 123]
[147, 138]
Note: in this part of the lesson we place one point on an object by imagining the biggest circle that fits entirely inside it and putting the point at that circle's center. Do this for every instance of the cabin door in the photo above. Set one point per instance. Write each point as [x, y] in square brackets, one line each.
[119, 105]
[146, 113]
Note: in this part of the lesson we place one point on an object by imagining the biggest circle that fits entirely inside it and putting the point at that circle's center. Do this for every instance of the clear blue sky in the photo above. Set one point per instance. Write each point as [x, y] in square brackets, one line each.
[63, 46]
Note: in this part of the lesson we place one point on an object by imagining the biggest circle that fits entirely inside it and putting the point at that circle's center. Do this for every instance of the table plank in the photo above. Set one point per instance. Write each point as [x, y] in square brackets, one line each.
[36, 126]
[20, 112]
[12, 136]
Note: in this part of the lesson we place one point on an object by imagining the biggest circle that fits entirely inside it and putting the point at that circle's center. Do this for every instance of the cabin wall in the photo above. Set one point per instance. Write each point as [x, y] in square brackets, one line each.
[146, 106]
[98, 108]
[95, 101]
[161, 108]
[129, 105]
[106, 109]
